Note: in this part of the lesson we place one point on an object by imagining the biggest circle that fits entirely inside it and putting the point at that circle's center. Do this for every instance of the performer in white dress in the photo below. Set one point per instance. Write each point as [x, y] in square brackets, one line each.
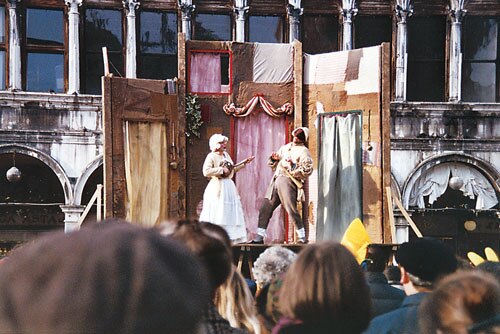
[221, 201]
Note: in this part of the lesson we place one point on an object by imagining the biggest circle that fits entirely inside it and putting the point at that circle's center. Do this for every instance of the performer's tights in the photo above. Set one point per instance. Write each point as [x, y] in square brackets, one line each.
[284, 193]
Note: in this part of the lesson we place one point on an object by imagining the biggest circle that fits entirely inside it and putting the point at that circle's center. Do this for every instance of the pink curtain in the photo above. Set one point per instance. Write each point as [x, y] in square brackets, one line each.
[204, 72]
[259, 135]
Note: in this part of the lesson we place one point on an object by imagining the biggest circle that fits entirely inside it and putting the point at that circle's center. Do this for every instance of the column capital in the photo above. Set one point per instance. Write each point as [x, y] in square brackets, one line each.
[294, 12]
[457, 14]
[13, 3]
[131, 6]
[187, 10]
[403, 9]
[348, 14]
[349, 10]
[72, 214]
[73, 2]
[241, 12]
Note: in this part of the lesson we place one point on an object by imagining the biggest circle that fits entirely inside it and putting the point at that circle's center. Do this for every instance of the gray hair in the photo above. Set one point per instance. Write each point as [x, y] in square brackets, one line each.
[417, 281]
[273, 262]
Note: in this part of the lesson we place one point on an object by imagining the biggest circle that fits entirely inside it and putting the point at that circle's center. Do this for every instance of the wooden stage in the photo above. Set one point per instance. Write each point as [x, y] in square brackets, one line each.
[245, 254]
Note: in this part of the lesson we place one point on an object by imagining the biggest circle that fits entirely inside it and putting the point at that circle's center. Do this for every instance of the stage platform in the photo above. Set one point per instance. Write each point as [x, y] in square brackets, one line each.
[245, 254]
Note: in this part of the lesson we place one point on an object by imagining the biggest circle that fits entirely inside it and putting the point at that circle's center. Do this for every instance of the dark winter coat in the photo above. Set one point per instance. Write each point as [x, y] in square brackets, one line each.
[385, 297]
[402, 320]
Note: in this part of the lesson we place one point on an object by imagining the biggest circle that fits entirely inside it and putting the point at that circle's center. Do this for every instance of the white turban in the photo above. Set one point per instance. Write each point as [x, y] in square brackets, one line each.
[215, 141]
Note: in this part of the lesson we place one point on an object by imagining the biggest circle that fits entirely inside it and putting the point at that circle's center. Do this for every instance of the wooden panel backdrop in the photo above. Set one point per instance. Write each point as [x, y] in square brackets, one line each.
[147, 188]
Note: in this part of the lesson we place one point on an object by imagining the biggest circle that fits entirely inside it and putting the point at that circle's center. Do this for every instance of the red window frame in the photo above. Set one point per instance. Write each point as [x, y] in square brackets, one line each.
[230, 71]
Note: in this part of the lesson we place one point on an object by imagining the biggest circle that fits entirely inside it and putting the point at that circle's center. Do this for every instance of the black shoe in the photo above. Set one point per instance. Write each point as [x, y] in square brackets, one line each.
[256, 242]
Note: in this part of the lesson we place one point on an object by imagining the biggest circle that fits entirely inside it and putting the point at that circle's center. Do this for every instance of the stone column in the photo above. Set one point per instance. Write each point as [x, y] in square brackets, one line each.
[72, 214]
[15, 81]
[349, 10]
[457, 13]
[131, 45]
[73, 46]
[241, 10]
[187, 9]
[294, 12]
[404, 9]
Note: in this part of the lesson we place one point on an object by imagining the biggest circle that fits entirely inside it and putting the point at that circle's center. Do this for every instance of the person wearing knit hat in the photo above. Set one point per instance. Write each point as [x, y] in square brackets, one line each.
[109, 278]
[422, 262]
[221, 201]
[293, 165]
[385, 297]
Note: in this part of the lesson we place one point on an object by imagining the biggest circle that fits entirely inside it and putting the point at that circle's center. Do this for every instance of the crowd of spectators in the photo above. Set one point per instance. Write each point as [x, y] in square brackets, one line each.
[117, 277]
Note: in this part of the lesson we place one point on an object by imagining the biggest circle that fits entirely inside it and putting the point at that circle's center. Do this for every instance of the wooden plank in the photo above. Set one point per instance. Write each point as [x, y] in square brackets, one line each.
[298, 122]
[95, 196]
[108, 147]
[181, 175]
[148, 105]
[118, 90]
[136, 100]
[99, 203]
[385, 140]
[408, 218]
[297, 83]
[105, 60]
[391, 216]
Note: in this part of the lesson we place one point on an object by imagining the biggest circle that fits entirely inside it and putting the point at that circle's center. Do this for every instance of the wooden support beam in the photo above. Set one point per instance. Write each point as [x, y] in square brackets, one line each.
[105, 60]
[408, 218]
[297, 83]
[391, 215]
[181, 129]
[97, 195]
[385, 138]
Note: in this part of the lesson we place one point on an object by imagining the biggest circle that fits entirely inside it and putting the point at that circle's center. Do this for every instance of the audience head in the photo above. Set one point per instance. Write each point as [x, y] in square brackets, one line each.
[393, 275]
[326, 288]
[212, 251]
[377, 257]
[217, 232]
[272, 263]
[464, 302]
[111, 278]
[236, 303]
[490, 267]
[426, 260]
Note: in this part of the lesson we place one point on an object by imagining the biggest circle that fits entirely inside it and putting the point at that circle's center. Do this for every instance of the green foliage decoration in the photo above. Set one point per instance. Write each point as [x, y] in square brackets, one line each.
[193, 117]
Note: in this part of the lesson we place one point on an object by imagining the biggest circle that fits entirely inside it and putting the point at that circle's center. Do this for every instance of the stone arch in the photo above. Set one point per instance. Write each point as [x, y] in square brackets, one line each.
[395, 188]
[83, 178]
[46, 159]
[484, 167]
